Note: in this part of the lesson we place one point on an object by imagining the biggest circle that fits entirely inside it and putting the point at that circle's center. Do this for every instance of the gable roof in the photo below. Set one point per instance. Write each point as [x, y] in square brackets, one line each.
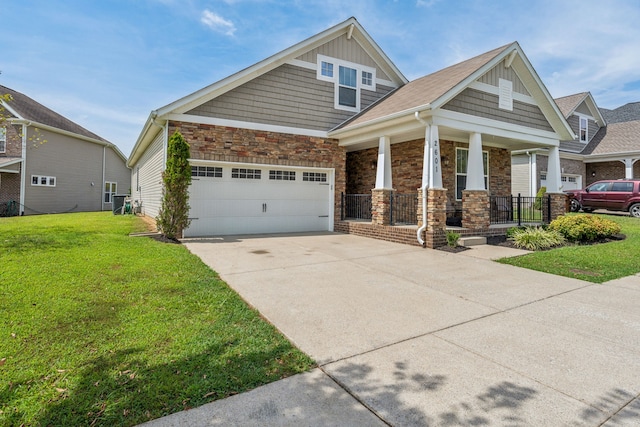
[28, 109]
[436, 89]
[420, 93]
[615, 138]
[570, 103]
[351, 27]
[625, 113]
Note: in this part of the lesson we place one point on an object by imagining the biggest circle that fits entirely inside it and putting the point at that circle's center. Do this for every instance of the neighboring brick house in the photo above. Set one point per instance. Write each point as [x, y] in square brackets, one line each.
[607, 146]
[49, 164]
[276, 147]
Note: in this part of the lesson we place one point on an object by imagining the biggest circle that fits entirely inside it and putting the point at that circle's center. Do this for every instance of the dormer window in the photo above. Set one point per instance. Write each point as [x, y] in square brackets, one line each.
[584, 130]
[348, 81]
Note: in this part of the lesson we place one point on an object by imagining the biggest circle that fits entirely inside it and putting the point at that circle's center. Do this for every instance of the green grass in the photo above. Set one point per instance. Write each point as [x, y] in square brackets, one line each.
[98, 328]
[594, 263]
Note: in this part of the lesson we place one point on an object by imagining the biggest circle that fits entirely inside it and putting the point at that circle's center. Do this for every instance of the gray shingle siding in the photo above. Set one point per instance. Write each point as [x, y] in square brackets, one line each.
[482, 104]
[287, 96]
[500, 72]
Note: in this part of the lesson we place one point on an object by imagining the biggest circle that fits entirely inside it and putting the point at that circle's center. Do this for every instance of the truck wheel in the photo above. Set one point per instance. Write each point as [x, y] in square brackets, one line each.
[575, 205]
[634, 210]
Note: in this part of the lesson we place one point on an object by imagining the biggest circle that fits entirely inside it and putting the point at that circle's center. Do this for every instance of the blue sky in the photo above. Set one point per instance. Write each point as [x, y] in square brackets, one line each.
[106, 64]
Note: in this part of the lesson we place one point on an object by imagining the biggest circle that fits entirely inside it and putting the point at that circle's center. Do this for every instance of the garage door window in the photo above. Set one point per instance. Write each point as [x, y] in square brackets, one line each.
[212, 172]
[242, 173]
[314, 176]
[282, 175]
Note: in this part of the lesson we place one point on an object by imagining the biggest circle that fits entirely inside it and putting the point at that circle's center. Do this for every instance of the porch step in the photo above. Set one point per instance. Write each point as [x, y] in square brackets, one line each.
[472, 241]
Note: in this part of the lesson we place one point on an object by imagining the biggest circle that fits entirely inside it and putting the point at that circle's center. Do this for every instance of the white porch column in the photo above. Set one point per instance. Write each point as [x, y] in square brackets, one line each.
[435, 169]
[628, 168]
[383, 173]
[554, 180]
[475, 163]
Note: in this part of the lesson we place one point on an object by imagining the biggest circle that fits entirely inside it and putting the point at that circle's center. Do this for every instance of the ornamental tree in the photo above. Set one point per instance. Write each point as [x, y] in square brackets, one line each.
[174, 212]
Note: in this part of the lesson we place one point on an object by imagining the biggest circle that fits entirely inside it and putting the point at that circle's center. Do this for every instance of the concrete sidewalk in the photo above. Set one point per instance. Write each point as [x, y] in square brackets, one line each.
[411, 336]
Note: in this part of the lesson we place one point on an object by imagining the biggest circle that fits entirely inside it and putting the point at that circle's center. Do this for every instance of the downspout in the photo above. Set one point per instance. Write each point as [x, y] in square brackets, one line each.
[423, 227]
[104, 153]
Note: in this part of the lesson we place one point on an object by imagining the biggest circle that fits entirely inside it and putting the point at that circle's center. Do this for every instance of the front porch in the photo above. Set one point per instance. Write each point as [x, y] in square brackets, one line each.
[390, 216]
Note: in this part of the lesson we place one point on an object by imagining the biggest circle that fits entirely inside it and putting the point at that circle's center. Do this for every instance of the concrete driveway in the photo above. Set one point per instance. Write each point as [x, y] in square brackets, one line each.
[407, 336]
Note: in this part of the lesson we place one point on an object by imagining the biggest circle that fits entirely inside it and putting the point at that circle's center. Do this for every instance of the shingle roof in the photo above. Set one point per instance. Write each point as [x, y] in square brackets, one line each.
[31, 110]
[567, 104]
[615, 138]
[626, 113]
[424, 90]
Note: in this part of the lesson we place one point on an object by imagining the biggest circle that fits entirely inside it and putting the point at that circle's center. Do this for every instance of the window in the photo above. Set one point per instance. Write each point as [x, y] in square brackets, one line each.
[3, 140]
[584, 129]
[348, 81]
[347, 91]
[43, 181]
[462, 157]
[282, 175]
[110, 189]
[314, 176]
[624, 187]
[327, 69]
[208, 171]
[367, 78]
[242, 173]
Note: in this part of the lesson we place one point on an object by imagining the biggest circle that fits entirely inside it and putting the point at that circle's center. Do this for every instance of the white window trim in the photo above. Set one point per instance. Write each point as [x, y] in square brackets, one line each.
[486, 175]
[3, 140]
[111, 192]
[586, 129]
[337, 63]
[48, 180]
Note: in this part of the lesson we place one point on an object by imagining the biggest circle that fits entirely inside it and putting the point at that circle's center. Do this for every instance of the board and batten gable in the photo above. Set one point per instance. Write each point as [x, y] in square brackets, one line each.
[146, 177]
[493, 76]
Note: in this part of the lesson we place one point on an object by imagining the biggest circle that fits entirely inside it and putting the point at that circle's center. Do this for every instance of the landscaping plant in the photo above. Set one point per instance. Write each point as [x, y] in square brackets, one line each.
[174, 212]
[536, 238]
[584, 228]
[452, 238]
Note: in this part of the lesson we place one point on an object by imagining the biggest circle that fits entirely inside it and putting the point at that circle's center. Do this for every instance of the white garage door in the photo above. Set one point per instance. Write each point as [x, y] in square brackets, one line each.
[256, 199]
[569, 182]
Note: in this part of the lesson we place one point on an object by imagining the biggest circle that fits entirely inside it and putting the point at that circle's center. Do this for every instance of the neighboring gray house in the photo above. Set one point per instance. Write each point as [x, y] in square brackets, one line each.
[282, 145]
[607, 147]
[49, 164]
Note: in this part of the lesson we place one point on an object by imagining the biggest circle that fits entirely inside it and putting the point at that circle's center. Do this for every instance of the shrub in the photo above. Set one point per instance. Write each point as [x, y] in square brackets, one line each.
[452, 238]
[536, 238]
[513, 230]
[584, 228]
[537, 205]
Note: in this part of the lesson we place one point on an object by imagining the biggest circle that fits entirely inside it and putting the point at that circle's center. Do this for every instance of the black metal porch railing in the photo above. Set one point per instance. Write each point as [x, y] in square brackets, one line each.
[355, 206]
[404, 209]
[519, 209]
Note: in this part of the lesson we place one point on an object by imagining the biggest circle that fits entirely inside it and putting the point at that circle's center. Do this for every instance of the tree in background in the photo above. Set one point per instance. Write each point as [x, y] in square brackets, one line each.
[174, 212]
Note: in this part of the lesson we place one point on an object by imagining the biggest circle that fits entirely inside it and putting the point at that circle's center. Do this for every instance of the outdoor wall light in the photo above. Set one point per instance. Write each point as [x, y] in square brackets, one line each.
[593, 173]
[374, 164]
[444, 160]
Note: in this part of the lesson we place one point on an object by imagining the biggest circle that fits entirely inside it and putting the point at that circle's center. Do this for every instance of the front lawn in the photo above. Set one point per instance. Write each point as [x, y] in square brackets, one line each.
[594, 263]
[98, 328]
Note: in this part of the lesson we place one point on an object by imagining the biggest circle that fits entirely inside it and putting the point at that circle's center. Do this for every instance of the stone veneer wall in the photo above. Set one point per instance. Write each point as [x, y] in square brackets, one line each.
[406, 165]
[229, 144]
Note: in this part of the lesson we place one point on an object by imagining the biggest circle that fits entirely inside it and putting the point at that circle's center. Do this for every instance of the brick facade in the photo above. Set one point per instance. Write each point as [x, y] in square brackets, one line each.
[606, 170]
[228, 144]
[14, 141]
[10, 182]
[404, 235]
[406, 165]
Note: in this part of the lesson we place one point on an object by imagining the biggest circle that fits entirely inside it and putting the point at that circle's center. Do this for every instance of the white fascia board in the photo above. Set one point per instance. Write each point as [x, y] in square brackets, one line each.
[597, 158]
[593, 107]
[378, 123]
[11, 110]
[387, 65]
[188, 118]
[146, 137]
[31, 123]
[9, 163]
[468, 123]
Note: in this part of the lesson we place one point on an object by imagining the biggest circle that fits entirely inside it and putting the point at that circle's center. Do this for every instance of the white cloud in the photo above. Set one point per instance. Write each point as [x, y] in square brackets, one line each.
[217, 23]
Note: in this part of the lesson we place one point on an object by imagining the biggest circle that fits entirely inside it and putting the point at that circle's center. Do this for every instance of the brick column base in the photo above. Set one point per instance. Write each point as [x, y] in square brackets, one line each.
[381, 206]
[475, 209]
[559, 203]
[435, 234]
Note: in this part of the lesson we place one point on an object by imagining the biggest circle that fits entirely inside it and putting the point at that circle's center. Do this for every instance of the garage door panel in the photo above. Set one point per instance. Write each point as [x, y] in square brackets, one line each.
[224, 206]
